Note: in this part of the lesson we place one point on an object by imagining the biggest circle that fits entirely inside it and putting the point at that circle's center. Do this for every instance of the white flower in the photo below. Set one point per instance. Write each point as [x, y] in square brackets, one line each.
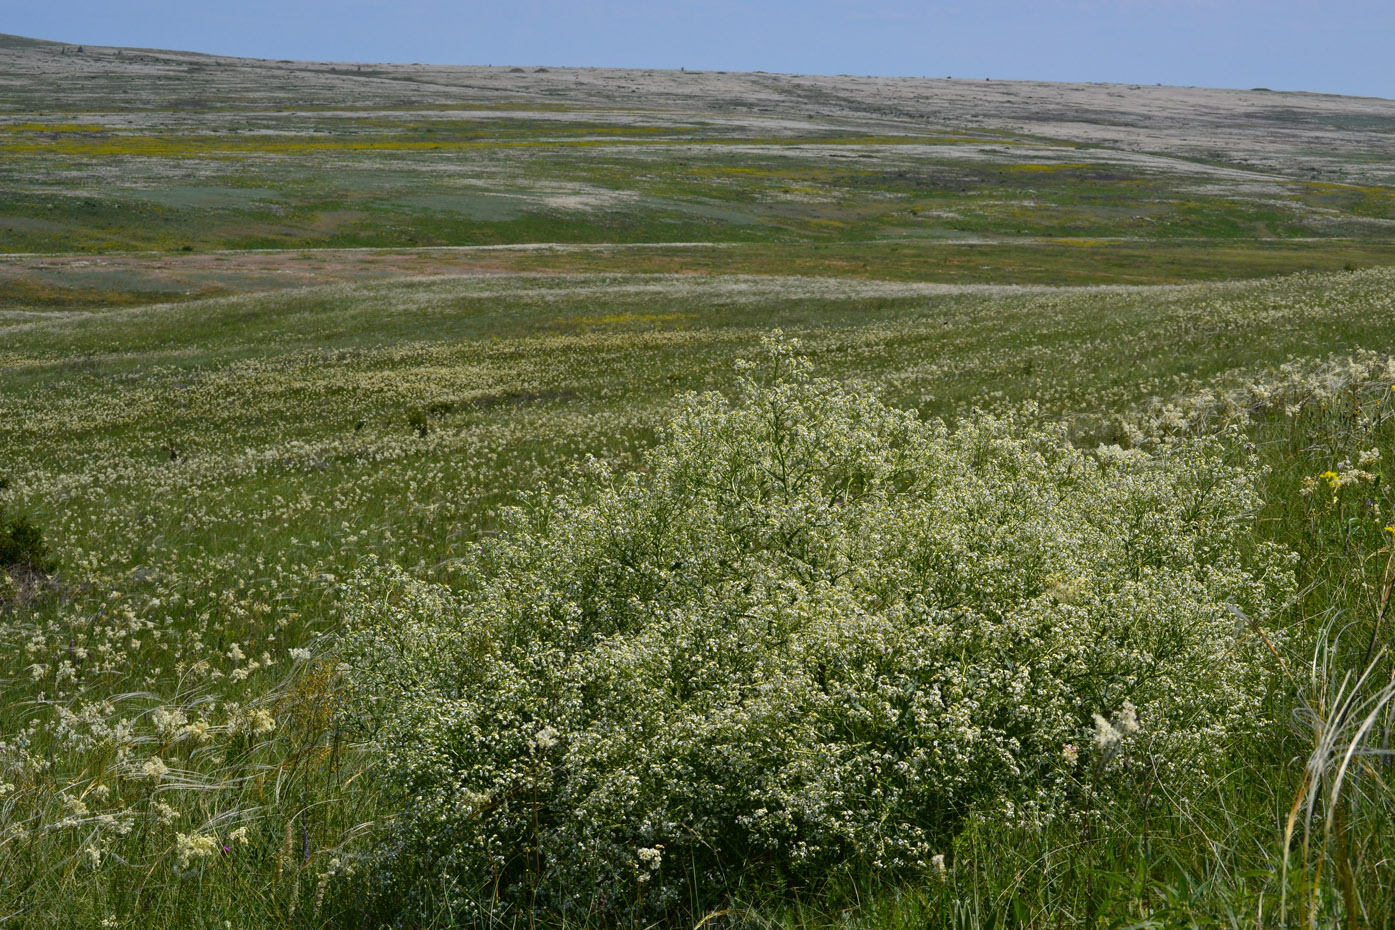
[652, 857]
[168, 722]
[545, 738]
[1106, 737]
[155, 768]
[191, 846]
[1128, 719]
[253, 722]
[195, 732]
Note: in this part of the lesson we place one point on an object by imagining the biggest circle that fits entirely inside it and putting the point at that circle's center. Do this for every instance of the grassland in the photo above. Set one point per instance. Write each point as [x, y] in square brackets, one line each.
[123, 150]
[469, 279]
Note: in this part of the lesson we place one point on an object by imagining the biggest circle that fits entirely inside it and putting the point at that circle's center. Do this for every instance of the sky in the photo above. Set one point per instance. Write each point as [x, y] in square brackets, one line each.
[1338, 46]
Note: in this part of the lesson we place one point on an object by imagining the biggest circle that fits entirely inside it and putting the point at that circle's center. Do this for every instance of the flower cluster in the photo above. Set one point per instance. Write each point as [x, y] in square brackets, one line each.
[811, 632]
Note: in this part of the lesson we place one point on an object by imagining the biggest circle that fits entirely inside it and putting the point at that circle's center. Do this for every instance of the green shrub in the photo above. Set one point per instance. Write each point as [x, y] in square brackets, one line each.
[416, 419]
[22, 544]
[810, 634]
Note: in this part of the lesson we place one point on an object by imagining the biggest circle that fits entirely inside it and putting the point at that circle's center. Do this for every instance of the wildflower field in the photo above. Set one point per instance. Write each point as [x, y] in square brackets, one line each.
[605, 500]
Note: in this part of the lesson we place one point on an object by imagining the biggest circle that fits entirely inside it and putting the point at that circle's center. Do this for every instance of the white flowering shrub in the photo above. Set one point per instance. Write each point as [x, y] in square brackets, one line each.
[810, 633]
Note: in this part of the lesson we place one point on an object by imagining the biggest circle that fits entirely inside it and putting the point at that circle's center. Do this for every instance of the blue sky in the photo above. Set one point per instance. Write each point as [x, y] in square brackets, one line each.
[1340, 46]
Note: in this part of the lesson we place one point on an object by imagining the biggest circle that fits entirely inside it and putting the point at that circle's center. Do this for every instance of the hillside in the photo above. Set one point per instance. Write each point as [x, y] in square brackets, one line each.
[111, 151]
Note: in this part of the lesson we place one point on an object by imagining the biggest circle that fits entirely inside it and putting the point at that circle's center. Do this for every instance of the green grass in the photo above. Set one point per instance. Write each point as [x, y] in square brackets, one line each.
[261, 178]
[30, 286]
[378, 192]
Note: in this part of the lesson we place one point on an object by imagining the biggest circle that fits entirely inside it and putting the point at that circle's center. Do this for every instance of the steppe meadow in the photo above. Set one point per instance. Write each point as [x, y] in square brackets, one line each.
[550, 497]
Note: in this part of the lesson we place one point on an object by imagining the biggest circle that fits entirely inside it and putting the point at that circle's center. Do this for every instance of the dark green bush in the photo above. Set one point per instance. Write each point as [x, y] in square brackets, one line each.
[416, 419]
[22, 544]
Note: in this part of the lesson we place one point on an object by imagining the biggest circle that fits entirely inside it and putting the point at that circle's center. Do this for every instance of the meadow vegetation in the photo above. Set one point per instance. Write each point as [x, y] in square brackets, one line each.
[543, 586]
[215, 481]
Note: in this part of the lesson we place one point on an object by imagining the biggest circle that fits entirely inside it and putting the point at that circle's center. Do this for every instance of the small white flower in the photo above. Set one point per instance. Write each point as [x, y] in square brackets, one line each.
[1106, 737]
[545, 738]
[168, 722]
[652, 857]
[191, 846]
[195, 732]
[253, 722]
[165, 813]
[1127, 720]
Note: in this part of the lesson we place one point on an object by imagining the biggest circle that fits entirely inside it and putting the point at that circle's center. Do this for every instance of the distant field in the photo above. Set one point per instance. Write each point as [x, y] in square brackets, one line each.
[106, 150]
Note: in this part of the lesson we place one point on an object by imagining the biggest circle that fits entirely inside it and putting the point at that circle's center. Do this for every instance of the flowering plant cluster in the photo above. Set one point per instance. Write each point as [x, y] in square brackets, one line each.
[809, 633]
